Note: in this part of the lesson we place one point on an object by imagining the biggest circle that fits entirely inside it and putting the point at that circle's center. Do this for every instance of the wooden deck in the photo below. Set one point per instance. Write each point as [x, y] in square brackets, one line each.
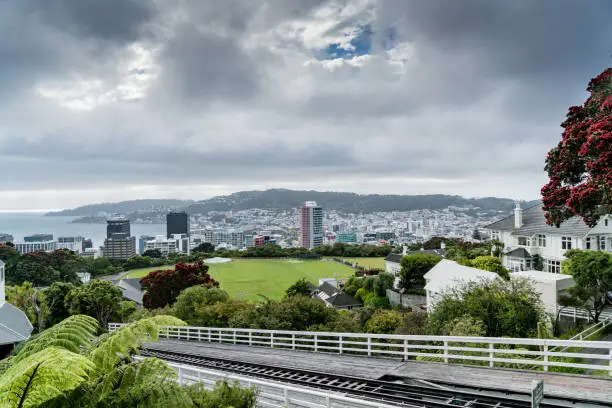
[555, 384]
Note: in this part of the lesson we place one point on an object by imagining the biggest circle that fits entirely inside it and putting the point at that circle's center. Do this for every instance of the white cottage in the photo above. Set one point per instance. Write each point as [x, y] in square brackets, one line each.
[526, 234]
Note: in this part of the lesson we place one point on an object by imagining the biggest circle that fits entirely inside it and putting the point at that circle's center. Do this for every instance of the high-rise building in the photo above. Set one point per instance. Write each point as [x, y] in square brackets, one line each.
[177, 223]
[142, 240]
[118, 243]
[4, 238]
[38, 238]
[311, 225]
[118, 228]
[74, 244]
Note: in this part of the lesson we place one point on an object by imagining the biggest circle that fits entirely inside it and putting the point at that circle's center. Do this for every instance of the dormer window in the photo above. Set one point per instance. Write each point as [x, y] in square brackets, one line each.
[566, 243]
[542, 240]
[523, 241]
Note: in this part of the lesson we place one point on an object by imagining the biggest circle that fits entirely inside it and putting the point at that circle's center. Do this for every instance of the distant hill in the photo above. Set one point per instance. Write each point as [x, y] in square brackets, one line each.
[348, 202]
[124, 207]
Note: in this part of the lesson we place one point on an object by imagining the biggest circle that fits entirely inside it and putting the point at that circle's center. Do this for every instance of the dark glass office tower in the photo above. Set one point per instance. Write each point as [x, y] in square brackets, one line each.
[177, 223]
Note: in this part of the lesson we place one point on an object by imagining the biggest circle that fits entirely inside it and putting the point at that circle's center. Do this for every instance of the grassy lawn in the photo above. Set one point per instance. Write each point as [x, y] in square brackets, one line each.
[368, 262]
[246, 278]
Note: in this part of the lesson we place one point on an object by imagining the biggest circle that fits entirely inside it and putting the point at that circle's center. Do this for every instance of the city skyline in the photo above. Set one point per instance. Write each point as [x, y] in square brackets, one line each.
[405, 97]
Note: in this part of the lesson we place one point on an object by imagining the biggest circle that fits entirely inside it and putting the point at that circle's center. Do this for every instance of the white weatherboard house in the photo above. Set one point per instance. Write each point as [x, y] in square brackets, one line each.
[447, 275]
[14, 324]
[526, 234]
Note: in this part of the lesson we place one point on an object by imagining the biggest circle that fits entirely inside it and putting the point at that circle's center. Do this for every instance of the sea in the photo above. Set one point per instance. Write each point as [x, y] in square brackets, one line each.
[20, 225]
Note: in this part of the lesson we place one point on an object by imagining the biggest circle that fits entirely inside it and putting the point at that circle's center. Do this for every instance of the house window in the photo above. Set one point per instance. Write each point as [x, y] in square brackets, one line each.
[552, 266]
[587, 243]
[495, 235]
[541, 240]
[602, 243]
[523, 241]
[566, 242]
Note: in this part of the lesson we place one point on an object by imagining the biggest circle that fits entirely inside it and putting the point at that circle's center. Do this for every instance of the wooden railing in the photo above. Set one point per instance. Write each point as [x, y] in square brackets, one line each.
[516, 353]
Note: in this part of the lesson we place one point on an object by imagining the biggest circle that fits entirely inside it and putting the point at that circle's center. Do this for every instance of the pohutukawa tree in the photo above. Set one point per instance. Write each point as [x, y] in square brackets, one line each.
[580, 167]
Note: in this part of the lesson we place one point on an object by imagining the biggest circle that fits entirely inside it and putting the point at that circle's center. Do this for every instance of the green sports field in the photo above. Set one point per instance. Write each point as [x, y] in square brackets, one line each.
[378, 263]
[246, 279]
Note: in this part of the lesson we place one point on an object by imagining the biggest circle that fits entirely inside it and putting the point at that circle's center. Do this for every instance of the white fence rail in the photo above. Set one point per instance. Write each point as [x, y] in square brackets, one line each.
[274, 394]
[582, 314]
[485, 351]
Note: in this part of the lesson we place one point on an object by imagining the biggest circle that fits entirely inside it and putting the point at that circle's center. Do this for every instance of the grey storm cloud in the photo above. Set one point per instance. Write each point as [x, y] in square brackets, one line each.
[174, 92]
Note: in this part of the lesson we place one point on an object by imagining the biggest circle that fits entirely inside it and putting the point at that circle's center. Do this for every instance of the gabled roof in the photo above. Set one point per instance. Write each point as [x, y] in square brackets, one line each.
[534, 222]
[519, 253]
[14, 325]
[337, 297]
[131, 289]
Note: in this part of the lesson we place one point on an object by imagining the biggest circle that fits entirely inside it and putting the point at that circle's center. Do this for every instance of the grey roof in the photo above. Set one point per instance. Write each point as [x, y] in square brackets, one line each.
[131, 289]
[14, 325]
[519, 253]
[1, 263]
[534, 222]
[337, 297]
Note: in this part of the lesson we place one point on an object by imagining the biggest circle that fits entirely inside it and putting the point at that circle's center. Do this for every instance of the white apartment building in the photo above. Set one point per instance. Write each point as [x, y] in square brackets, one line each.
[74, 244]
[27, 247]
[177, 243]
[526, 234]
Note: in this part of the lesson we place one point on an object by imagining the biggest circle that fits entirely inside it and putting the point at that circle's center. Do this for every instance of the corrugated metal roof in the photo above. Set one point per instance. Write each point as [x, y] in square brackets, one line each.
[534, 222]
[14, 325]
[131, 289]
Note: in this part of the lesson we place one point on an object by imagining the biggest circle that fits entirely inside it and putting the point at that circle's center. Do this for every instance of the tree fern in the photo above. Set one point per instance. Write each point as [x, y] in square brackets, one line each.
[43, 376]
[70, 334]
[110, 348]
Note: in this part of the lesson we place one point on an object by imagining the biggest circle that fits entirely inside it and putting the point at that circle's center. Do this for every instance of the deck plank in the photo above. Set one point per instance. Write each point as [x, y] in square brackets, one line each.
[555, 384]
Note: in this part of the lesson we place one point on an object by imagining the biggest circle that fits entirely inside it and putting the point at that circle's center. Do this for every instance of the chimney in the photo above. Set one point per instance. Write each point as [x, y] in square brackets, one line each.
[518, 215]
[404, 250]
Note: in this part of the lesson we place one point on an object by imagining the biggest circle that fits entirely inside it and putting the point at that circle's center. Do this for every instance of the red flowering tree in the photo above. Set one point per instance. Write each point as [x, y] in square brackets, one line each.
[580, 167]
[162, 287]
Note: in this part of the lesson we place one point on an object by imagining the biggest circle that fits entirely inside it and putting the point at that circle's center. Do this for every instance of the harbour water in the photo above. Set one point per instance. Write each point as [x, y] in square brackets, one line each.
[23, 224]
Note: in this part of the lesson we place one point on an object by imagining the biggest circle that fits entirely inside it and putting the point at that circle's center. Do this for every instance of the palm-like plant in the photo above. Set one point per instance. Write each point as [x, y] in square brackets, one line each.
[68, 359]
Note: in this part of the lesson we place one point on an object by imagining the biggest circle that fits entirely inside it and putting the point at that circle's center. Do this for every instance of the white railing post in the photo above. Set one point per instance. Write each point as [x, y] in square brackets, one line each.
[446, 351]
[234, 336]
[209, 335]
[250, 338]
[199, 335]
[491, 355]
[369, 346]
[340, 344]
[405, 349]
[180, 375]
[286, 396]
[610, 362]
[316, 342]
[293, 342]
[272, 339]
[545, 356]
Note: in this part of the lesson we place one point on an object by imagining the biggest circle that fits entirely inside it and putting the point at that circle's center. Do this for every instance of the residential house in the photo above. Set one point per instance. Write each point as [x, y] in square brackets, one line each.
[528, 240]
[335, 297]
[14, 324]
[131, 289]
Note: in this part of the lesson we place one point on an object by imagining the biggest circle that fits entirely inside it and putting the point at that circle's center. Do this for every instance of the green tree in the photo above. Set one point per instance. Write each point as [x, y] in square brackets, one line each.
[100, 299]
[592, 272]
[384, 322]
[488, 263]
[506, 308]
[414, 267]
[205, 248]
[196, 297]
[27, 270]
[301, 287]
[126, 310]
[153, 253]
[382, 282]
[31, 301]
[56, 297]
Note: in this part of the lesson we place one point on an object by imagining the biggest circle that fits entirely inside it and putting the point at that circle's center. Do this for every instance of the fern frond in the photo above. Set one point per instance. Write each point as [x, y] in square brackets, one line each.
[43, 376]
[71, 334]
[110, 348]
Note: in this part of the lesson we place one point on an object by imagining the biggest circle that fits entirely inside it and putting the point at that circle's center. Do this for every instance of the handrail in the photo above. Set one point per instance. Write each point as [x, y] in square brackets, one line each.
[491, 351]
[275, 394]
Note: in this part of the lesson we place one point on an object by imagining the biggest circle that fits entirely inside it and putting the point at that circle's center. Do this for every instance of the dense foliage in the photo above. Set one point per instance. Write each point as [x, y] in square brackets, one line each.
[414, 268]
[592, 272]
[506, 308]
[100, 299]
[163, 286]
[580, 167]
[68, 366]
[487, 263]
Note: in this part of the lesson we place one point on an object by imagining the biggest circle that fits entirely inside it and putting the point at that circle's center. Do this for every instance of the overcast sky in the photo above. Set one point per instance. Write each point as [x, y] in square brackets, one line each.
[106, 100]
